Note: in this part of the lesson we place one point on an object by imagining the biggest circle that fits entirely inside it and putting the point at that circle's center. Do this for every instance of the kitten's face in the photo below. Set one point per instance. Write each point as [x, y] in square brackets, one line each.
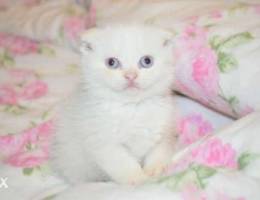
[128, 60]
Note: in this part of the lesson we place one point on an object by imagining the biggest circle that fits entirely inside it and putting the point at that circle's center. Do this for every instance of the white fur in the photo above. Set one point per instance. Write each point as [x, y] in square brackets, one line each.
[107, 132]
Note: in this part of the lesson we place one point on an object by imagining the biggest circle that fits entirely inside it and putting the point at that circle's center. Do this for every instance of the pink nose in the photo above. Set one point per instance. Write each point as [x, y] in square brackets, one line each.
[130, 76]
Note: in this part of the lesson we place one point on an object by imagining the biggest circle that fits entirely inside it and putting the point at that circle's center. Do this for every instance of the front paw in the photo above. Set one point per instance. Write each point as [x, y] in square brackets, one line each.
[156, 164]
[135, 178]
[155, 169]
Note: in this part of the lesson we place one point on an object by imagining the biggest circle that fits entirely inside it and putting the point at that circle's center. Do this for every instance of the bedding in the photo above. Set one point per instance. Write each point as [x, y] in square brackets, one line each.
[217, 57]
[217, 47]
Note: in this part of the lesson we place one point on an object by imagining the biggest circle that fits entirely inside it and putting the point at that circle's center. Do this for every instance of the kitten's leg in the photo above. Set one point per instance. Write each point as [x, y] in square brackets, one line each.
[119, 165]
[70, 162]
[157, 160]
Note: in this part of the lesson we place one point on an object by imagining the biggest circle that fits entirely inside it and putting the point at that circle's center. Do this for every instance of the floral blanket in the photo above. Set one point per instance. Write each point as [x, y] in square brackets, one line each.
[217, 64]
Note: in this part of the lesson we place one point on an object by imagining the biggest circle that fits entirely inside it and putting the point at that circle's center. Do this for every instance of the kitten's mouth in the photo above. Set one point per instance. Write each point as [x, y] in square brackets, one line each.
[131, 85]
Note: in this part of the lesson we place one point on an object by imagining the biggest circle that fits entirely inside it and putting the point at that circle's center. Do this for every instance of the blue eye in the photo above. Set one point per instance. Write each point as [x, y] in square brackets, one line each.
[146, 62]
[113, 63]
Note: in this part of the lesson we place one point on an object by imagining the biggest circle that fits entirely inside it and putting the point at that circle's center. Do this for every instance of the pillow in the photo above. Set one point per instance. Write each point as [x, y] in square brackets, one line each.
[218, 59]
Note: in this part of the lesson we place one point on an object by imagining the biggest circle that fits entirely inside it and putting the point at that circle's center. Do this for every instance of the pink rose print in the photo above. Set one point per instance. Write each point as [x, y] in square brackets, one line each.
[197, 63]
[192, 192]
[246, 110]
[215, 154]
[179, 166]
[194, 37]
[73, 26]
[205, 71]
[17, 44]
[20, 75]
[21, 84]
[192, 128]
[216, 14]
[27, 159]
[3, 4]
[8, 95]
[31, 2]
[257, 9]
[10, 145]
[34, 90]
[28, 149]
[192, 19]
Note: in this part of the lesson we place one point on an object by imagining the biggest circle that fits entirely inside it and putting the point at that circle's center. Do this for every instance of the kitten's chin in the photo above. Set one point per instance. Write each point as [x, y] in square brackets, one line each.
[129, 92]
[132, 88]
[138, 93]
[132, 91]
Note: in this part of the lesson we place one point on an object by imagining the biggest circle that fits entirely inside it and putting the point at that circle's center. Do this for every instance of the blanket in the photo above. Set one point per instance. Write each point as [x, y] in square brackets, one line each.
[217, 155]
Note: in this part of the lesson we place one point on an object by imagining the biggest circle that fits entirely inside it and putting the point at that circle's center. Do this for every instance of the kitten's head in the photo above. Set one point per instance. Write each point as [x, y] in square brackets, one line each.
[129, 61]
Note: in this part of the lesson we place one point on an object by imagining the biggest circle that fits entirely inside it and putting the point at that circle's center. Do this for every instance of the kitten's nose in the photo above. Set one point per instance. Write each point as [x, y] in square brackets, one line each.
[130, 76]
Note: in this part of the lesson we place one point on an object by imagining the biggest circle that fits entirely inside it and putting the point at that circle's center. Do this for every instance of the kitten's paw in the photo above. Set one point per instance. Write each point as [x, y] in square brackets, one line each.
[157, 161]
[155, 169]
[137, 179]
[156, 165]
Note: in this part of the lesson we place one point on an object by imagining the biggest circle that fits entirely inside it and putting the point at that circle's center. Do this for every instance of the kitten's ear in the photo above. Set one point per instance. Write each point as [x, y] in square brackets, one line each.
[168, 38]
[168, 42]
[85, 46]
[87, 40]
[85, 3]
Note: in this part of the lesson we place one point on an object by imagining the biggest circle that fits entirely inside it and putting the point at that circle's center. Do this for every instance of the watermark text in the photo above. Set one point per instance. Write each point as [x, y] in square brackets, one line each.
[3, 182]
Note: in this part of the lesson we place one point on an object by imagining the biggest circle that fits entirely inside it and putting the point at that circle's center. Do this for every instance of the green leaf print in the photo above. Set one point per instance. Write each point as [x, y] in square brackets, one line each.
[15, 109]
[202, 173]
[44, 169]
[27, 171]
[220, 44]
[45, 115]
[6, 59]
[233, 101]
[194, 174]
[61, 33]
[71, 11]
[51, 197]
[72, 68]
[30, 146]
[236, 40]
[245, 159]
[238, 7]
[45, 50]
[226, 62]
[178, 180]
[215, 41]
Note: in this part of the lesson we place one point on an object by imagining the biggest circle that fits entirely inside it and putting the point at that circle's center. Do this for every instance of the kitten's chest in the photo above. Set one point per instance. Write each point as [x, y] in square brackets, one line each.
[138, 127]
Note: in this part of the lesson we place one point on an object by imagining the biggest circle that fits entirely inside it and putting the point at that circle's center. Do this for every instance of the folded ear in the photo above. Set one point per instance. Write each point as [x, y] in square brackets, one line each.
[85, 3]
[168, 37]
[87, 39]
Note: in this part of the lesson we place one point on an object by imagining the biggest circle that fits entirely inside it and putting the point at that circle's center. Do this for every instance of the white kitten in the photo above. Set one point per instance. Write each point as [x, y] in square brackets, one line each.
[119, 125]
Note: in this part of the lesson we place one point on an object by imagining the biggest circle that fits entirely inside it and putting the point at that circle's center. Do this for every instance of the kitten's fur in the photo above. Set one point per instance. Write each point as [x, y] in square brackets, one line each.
[108, 132]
